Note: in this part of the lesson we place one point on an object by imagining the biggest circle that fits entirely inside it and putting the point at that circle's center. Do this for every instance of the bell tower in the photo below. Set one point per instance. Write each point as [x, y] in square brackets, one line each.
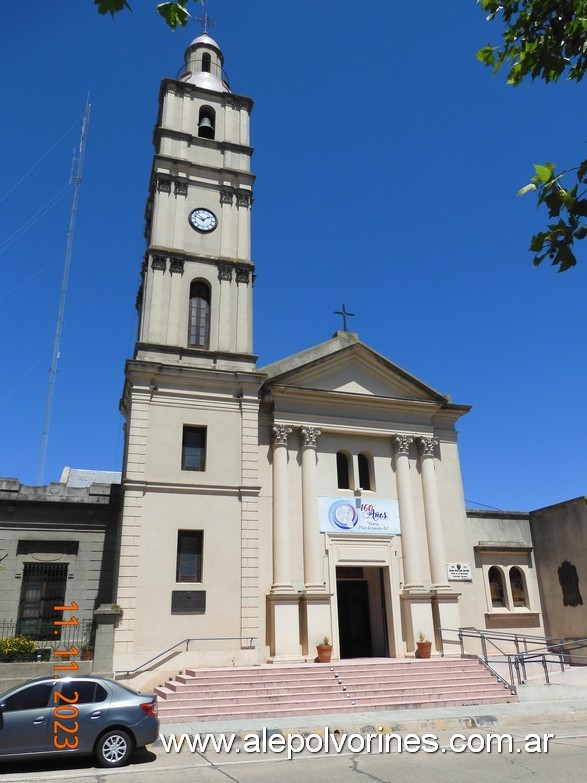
[196, 302]
[189, 530]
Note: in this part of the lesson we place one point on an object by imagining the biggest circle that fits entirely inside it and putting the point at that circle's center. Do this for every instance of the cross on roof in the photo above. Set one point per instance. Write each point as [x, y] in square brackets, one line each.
[206, 20]
[344, 314]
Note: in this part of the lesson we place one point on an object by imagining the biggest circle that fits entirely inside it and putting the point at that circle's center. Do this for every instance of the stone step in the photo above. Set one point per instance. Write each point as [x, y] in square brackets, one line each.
[309, 690]
[272, 691]
[365, 698]
[169, 716]
[184, 685]
[415, 667]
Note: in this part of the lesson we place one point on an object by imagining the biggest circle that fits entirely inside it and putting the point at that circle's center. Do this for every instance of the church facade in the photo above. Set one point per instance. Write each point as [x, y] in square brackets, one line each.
[267, 508]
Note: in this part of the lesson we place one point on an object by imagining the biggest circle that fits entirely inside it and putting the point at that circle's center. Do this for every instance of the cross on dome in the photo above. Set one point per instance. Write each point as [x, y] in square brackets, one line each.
[205, 19]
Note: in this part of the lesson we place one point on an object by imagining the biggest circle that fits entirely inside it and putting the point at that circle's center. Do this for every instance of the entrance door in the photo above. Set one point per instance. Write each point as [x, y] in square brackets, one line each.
[353, 618]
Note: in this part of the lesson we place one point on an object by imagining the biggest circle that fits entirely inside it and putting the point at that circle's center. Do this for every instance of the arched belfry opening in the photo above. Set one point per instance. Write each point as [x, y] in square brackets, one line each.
[199, 315]
[207, 122]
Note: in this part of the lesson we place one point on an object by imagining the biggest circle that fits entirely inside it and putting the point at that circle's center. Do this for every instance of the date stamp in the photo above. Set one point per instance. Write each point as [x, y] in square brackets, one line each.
[65, 725]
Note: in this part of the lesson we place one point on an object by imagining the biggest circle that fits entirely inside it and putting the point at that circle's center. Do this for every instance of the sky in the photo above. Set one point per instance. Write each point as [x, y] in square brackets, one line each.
[388, 161]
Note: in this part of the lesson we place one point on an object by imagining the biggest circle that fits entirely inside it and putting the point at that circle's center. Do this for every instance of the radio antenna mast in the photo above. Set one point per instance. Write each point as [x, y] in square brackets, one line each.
[76, 178]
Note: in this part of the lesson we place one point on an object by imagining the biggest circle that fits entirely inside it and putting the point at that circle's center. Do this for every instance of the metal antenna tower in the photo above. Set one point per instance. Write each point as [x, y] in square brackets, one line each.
[77, 181]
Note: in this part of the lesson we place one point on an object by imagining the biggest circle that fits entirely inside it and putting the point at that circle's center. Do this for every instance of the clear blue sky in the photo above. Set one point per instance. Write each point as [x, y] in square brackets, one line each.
[398, 198]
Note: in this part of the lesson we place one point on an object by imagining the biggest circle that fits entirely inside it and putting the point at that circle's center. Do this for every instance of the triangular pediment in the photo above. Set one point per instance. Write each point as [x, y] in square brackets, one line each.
[346, 365]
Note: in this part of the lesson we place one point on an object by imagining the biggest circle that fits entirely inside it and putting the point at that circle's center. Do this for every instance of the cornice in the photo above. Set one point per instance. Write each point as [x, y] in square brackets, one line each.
[153, 370]
[341, 398]
[168, 252]
[186, 87]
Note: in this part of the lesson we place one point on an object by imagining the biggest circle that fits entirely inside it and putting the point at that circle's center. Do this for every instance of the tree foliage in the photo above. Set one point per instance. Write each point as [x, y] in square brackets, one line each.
[174, 13]
[546, 39]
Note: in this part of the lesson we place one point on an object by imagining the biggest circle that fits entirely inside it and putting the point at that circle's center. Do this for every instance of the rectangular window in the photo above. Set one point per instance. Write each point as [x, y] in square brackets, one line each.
[43, 587]
[190, 544]
[193, 448]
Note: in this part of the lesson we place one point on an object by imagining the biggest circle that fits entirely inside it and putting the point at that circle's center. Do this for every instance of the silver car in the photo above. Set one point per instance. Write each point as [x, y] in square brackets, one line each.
[50, 716]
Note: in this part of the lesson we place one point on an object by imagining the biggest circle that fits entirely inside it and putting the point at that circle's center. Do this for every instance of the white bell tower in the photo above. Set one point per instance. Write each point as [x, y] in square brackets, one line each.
[196, 301]
[189, 527]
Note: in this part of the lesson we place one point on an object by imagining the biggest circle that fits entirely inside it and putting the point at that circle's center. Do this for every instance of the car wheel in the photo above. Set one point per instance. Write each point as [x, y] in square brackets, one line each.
[114, 748]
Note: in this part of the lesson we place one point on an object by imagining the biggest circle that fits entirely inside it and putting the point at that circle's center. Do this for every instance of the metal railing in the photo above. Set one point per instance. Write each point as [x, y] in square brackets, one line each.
[47, 637]
[215, 70]
[529, 649]
[249, 639]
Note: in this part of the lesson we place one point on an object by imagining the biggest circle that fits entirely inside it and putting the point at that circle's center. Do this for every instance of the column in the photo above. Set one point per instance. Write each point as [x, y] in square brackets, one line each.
[281, 559]
[313, 575]
[283, 603]
[316, 619]
[409, 534]
[435, 536]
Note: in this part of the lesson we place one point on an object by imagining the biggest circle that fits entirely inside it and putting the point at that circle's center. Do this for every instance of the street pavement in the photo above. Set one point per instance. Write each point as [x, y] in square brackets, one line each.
[564, 760]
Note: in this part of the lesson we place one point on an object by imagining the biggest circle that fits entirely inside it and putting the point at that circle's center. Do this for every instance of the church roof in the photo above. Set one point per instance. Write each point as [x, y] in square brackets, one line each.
[345, 364]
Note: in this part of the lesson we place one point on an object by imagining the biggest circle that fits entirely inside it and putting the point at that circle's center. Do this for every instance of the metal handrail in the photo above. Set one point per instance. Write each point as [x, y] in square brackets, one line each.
[545, 651]
[187, 641]
[501, 679]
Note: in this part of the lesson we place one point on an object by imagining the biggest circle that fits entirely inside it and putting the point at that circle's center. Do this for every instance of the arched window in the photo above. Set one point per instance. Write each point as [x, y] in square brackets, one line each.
[496, 587]
[206, 60]
[518, 587]
[199, 315]
[364, 472]
[342, 470]
[206, 122]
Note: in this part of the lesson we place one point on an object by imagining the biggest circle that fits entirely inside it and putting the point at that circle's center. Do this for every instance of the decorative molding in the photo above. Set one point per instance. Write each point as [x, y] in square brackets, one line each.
[402, 443]
[139, 299]
[226, 196]
[309, 436]
[177, 88]
[244, 198]
[163, 184]
[176, 265]
[242, 275]
[159, 262]
[426, 446]
[224, 272]
[280, 433]
[181, 187]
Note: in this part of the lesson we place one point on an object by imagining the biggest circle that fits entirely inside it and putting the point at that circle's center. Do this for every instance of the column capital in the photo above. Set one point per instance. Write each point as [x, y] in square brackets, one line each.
[426, 446]
[309, 436]
[402, 443]
[280, 433]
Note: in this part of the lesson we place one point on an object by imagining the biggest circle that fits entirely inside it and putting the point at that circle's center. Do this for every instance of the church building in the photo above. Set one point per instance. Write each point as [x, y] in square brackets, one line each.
[265, 508]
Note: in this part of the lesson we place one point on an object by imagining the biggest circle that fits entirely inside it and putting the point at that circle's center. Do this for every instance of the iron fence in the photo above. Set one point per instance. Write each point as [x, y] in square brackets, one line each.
[47, 637]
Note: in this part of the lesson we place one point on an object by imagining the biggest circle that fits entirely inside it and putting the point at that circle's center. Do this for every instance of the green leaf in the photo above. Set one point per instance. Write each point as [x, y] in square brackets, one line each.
[582, 172]
[111, 6]
[544, 173]
[174, 13]
[486, 55]
[526, 189]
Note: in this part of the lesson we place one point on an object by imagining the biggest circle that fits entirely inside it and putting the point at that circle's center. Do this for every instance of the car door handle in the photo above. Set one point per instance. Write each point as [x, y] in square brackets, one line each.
[95, 714]
[40, 719]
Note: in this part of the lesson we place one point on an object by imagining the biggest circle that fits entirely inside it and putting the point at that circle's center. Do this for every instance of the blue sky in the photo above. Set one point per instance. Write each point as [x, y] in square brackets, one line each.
[388, 161]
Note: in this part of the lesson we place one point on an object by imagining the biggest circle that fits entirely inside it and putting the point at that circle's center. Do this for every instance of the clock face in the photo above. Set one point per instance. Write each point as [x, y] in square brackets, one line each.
[203, 220]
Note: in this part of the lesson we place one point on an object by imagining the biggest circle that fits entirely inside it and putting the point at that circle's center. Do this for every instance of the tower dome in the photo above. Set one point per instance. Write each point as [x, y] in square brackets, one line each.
[203, 65]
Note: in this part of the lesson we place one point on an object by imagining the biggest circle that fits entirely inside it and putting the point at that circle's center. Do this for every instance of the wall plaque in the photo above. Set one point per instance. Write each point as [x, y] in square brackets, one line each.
[188, 601]
[459, 572]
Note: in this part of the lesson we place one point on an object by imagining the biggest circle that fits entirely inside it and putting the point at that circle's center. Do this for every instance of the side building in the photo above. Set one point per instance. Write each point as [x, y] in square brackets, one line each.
[57, 547]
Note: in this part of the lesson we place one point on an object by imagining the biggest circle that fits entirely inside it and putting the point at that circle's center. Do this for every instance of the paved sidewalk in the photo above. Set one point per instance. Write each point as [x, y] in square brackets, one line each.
[415, 720]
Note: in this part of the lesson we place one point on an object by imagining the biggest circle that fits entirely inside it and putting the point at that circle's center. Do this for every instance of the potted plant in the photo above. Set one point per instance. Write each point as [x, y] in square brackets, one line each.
[87, 653]
[423, 646]
[324, 651]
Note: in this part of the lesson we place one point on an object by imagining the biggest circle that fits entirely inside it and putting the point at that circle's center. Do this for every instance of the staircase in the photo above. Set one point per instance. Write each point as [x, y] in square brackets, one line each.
[362, 685]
